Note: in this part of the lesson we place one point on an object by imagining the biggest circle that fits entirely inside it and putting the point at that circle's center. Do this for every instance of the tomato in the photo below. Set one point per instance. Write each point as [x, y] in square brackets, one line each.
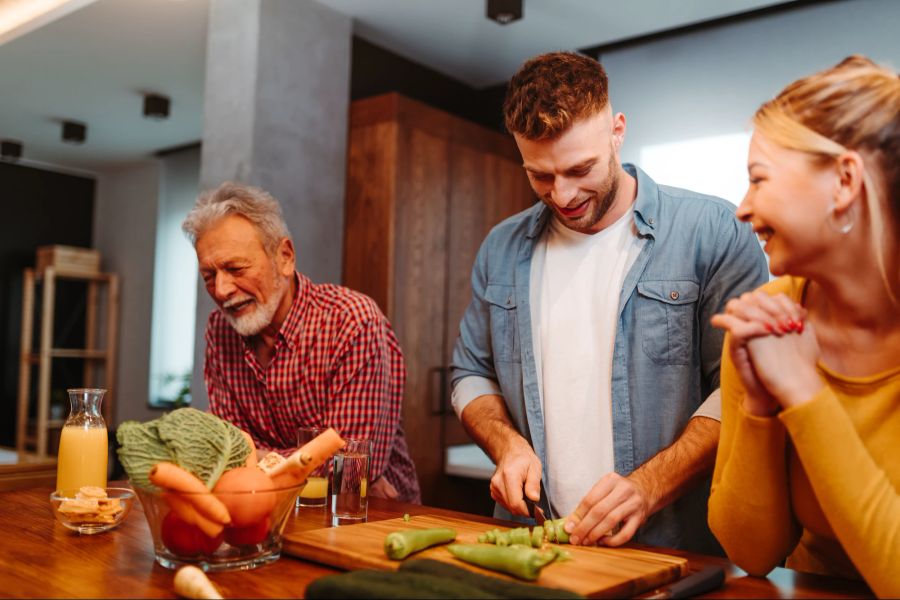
[250, 535]
[184, 539]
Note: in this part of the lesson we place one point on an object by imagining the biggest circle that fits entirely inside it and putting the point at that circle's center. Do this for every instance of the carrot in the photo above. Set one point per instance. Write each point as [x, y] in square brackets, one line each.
[251, 458]
[186, 511]
[294, 470]
[191, 582]
[172, 477]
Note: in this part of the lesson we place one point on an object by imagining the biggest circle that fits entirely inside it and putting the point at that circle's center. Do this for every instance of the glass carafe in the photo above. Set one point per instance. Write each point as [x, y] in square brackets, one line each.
[83, 447]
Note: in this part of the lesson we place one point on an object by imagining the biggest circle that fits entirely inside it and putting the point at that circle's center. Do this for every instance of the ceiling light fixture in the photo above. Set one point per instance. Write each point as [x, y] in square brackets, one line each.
[74, 132]
[156, 107]
[10, 150]
[504, 11]
[18, 17]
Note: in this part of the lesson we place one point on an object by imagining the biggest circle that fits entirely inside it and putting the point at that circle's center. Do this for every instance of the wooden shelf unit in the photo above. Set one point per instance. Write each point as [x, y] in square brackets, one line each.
[93, 357]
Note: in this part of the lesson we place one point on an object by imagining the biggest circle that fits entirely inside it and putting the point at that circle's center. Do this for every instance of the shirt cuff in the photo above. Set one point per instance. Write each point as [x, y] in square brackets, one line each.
[711, 407]
[471, 387]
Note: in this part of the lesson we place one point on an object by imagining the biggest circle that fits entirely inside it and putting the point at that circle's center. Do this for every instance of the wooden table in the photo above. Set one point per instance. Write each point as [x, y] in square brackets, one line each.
[41, 558]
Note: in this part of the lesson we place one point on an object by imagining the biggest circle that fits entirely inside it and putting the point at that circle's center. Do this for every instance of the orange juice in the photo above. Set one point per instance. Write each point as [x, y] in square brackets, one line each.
[82, 458]
[316, 487]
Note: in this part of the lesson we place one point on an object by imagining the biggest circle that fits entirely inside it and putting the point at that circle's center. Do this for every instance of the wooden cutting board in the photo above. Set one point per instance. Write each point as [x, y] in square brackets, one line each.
[596, 572]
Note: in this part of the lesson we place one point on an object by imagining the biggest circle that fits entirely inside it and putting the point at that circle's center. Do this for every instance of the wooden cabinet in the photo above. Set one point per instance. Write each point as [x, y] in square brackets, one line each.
[423, 190]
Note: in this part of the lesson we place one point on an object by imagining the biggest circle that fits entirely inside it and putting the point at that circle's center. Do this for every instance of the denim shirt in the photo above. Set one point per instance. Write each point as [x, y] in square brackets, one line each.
[694, 256]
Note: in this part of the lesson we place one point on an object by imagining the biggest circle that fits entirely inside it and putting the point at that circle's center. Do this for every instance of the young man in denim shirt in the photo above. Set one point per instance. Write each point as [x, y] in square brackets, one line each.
[586, 366]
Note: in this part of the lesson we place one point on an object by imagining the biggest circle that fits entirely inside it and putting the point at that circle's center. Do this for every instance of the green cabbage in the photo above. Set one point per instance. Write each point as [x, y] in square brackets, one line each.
[197, 441]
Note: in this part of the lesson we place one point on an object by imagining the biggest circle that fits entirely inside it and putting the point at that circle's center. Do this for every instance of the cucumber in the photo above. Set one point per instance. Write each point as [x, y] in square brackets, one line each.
[387, 584]
[492, 585]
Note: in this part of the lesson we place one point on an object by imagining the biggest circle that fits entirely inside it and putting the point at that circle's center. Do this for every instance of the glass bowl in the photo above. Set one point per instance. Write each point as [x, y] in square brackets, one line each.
[252, 540]
[91, 510]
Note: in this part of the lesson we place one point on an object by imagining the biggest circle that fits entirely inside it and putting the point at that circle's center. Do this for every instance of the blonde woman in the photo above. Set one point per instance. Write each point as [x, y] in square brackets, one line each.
[808, 465]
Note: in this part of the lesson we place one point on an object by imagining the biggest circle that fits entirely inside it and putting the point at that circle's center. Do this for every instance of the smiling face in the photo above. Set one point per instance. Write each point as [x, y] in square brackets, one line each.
[577, 173]
[789, 203]
[251, 288]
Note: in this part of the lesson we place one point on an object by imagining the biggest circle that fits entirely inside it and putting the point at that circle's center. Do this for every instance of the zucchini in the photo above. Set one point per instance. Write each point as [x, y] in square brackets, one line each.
[388, 584]
[493, 585]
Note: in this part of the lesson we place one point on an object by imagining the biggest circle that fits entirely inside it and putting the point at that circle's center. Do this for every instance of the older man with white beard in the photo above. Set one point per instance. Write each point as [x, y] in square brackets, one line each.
[283, 352]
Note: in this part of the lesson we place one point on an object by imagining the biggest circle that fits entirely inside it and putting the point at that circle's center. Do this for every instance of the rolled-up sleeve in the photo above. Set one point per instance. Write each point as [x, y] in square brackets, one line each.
[469, 388]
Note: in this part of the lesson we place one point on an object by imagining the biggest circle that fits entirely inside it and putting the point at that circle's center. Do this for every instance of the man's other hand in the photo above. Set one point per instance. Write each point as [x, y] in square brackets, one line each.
[518, 469]
[610, 513]
[382, 488]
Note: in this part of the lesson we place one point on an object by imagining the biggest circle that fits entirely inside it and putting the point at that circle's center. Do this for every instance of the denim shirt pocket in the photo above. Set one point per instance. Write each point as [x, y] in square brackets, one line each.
[666, 313]
[504, 322]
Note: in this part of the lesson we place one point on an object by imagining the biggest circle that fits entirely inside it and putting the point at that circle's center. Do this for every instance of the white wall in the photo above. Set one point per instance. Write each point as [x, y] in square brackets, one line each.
[124, 233]
[709, 83]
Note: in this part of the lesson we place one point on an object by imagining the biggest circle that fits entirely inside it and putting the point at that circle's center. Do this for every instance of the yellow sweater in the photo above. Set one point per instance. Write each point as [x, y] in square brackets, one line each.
[817, 483]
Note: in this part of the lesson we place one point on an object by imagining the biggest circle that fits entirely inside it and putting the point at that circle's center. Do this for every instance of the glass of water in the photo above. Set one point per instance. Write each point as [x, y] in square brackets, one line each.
[349, 480]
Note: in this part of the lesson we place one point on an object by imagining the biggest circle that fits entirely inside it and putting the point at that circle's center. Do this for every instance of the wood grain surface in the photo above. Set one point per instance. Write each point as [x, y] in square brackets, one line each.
[595, 572]
[40, 558]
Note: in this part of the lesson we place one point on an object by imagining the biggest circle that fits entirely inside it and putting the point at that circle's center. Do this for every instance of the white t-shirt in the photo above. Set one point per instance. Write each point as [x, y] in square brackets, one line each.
[576, 282]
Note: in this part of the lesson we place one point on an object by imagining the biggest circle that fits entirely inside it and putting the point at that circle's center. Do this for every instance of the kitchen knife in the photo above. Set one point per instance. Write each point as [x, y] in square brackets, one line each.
[705, 580]
[535, 510]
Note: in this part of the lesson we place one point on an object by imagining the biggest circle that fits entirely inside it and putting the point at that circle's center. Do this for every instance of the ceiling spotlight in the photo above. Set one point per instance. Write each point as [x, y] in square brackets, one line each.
[74, 132]
[504, 11]
[10, 150]
[156, 107]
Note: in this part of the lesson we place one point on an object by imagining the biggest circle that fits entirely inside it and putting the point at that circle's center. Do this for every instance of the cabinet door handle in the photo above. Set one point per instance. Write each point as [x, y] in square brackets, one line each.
[437, 390]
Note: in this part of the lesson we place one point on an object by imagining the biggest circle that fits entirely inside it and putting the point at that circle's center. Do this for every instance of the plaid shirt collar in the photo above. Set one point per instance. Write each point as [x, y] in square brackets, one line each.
[291, 331]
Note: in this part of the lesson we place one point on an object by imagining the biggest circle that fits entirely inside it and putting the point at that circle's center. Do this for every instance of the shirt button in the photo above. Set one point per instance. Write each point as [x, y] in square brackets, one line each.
[674, 295]
[651, 221]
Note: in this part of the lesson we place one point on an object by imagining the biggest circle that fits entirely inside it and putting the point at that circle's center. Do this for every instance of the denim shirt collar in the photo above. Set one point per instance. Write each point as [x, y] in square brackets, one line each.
[645, 207]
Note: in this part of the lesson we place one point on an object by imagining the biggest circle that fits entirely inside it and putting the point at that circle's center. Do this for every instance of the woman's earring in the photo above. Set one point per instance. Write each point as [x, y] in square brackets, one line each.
[843, 224]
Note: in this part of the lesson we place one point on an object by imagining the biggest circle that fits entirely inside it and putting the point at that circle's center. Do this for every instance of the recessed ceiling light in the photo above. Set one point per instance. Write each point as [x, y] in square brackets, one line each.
[74, 132]
[156, 106]
[18, 17]
[504, 11]
[10, 150]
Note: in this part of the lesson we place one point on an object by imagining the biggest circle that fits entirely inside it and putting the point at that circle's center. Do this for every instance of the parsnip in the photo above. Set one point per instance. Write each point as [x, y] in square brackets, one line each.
[191, 582]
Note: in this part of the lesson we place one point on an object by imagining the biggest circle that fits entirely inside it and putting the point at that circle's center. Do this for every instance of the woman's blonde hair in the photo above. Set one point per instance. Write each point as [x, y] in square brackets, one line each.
[854, 105]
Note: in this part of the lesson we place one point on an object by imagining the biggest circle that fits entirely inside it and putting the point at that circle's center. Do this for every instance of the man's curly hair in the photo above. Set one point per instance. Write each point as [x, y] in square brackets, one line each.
[551, 91]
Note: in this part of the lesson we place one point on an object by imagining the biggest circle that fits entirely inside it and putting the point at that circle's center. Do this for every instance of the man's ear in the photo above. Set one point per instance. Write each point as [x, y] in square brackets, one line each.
[285, 257]
[850, 180]
[618, 130]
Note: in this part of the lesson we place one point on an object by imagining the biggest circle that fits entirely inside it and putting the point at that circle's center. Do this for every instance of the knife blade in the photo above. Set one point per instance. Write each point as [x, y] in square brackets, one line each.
[535, 509]
[705, 580]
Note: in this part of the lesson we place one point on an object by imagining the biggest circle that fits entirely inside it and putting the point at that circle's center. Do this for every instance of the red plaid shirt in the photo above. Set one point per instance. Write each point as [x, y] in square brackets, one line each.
[336, 363]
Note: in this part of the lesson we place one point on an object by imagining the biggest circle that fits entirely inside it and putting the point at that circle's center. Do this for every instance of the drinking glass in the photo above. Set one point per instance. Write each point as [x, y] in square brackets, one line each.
[316, 491]
[349, 480]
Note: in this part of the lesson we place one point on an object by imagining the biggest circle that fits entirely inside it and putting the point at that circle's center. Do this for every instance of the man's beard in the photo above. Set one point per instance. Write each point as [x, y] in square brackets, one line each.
[261, 315]
[600, 202]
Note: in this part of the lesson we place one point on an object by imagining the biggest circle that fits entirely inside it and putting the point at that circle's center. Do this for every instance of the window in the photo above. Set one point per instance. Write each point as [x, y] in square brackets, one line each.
[712, 165]
[174, 283]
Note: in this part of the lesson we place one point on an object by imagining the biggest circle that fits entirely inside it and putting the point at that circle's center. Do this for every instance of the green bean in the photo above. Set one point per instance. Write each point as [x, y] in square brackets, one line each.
[400, 544]
[518, 561]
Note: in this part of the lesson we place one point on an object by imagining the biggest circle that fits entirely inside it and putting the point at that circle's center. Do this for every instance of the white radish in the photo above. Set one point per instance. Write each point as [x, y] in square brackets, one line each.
[192, 582]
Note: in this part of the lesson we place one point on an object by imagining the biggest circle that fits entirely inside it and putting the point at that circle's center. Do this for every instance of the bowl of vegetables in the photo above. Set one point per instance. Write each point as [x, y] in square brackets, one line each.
[207, 500]
[231, 527]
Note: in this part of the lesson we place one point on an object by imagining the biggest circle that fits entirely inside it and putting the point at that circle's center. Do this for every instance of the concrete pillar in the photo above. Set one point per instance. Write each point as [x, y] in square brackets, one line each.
[275, 115]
